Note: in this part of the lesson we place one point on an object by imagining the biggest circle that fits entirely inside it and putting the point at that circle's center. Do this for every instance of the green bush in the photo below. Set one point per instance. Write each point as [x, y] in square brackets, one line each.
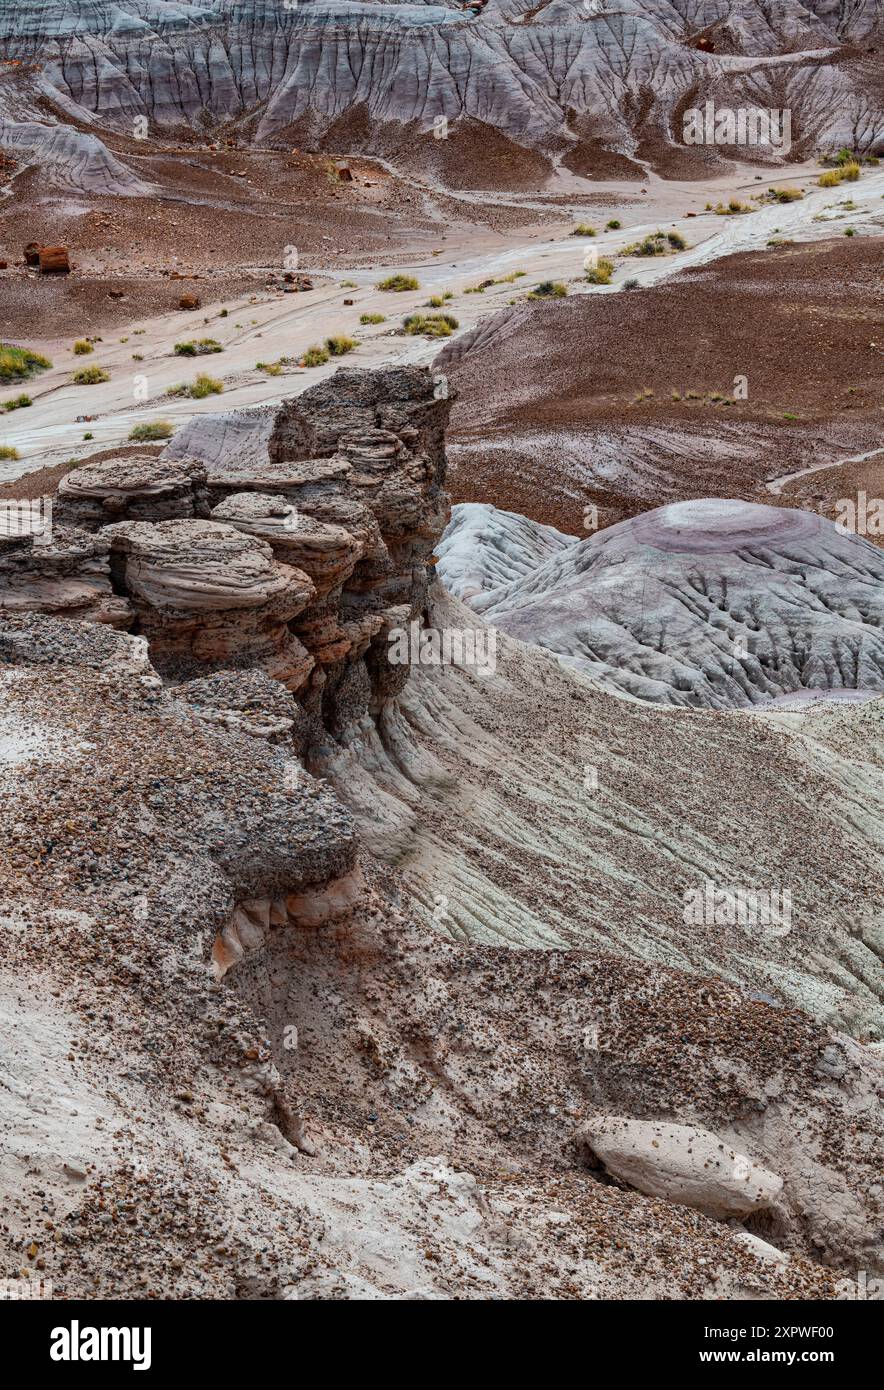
[7, 452]
[315, 356]
[430, 325]
[17, 403]
[82, 346]
[339, 344]
[156, 429]
[90, 376]
[631, 284]
[583, 230]
[197, 347]
[613, 225]
[372, 318]
[398, 283]
[601, 273]
[16, 364]
[202, 386]
[549, 289]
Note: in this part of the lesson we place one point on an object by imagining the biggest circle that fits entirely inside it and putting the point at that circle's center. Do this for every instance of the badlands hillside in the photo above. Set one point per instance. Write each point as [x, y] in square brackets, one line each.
[326, 976]
[441, 791]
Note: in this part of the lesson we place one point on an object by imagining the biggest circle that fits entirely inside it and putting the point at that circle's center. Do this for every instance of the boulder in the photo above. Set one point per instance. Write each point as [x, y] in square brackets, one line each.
[682, 1164]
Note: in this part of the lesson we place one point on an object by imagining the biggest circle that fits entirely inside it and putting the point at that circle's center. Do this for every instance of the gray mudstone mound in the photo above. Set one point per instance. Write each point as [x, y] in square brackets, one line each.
[716, 603]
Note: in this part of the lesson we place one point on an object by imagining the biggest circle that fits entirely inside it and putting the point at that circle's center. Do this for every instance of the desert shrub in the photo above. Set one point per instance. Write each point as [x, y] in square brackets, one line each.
[398, 283]
[613, 225]
[601, 273]
[197, 347]
[430, 325]
[676, 241]
[830, 179]
[549, 289]
[631, 284]
[90, 376]
[583, 230]
[154, 429]
[16, 364]
[203, 385]
[82, 347]
[372, 318]
[788, 194]
[17, 403]
[315, 356]
[849, 231]
[271, 368]
[7, 452]
[851, 171]
[339, 344]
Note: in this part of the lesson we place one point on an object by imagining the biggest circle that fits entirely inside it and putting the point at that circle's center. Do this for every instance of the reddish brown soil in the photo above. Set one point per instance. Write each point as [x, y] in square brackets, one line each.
[578, 405]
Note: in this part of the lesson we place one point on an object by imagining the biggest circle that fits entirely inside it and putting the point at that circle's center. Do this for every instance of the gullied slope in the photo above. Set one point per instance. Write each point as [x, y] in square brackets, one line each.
[715, 603]
[579, 82]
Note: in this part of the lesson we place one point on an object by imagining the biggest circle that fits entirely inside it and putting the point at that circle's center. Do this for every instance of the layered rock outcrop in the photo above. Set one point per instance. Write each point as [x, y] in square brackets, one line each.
[288, 542]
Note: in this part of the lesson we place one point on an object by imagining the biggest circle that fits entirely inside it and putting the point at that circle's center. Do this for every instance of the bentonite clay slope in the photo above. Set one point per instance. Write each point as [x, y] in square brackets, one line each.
[715, 603]
[589, 84]
[357, 1108]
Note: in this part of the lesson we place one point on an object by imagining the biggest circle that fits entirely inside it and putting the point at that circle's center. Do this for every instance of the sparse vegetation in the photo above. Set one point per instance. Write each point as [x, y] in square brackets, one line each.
[82, 347]
[583, 230]
[88, 435]
[372, 318]
[631, 283]
[7, 452]
[613, 225]
[339, 344]
[90, 376]
[398, 283]
[848, 172]
[17, 403]
[315, 356]
[271, 368]
[788, 194]
[733, 208]
[197, 347]
[850, 231]
[155, 429]
[657, 244]
[203, 385]
[430, 325]
[17, 364]
[549, 289]
[601, 273]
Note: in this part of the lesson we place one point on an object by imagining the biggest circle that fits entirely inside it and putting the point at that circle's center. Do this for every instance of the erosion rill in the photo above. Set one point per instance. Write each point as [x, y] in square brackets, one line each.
[342, 1049]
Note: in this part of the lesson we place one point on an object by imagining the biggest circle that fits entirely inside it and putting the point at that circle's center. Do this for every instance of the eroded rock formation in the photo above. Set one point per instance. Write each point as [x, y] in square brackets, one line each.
[292, 976]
